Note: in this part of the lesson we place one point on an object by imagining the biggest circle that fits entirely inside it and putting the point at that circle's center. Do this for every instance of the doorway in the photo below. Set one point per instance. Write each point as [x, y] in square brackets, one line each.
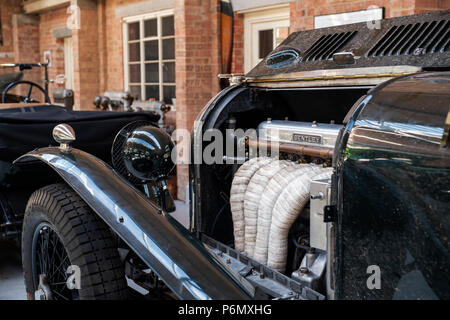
[264, 30]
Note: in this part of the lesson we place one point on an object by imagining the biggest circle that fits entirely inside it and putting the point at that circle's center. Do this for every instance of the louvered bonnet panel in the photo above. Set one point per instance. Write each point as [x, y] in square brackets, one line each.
[416, 39]
[419, 40]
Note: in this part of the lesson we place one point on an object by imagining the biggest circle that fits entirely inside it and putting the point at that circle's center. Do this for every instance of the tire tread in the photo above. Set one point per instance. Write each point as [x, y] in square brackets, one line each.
[88, 241]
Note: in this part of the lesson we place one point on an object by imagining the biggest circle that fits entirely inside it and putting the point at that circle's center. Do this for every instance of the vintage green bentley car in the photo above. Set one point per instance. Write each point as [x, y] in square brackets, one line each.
[333, 183]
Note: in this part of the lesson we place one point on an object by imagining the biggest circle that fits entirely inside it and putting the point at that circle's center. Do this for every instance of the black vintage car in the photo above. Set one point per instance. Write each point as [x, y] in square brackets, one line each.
[337, 185]
[11, 79]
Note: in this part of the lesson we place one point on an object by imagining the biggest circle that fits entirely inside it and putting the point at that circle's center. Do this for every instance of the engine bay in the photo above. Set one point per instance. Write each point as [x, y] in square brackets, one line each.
[264, 215]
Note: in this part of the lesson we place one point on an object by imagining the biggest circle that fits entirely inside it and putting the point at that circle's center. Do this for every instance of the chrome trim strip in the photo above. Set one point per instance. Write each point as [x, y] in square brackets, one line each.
[336, 75]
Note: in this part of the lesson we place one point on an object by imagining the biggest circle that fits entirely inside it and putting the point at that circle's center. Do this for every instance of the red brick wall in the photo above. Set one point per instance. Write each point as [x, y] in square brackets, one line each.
[429, 5]
[114, 78]
[48, 21]
[86, 59]
[237, 61]
[303, 11]
[20, 43]
[26, 50]
[98, 52]
[102, 45]
[7, 9]
[197, 61]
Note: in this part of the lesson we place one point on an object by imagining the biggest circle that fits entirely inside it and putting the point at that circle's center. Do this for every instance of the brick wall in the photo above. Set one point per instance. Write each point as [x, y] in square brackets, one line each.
[20, 43]
[422, 6]
[114, 77]
[303, 11]
[86, 59]
[197, 63]
[237, 61]
[48, 22]
[8, 8]
[26, 50]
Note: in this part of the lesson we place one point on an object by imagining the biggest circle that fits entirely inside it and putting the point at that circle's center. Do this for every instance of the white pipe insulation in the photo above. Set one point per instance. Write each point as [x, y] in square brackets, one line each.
[252, 200]
[286, 209]
[269, 196]
[238, 187]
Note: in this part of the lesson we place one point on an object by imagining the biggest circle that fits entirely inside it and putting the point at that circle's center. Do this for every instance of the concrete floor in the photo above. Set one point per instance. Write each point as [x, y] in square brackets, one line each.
[11, 278]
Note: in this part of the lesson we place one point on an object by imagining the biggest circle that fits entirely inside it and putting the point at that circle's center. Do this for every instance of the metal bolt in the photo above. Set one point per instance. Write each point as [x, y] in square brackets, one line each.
[317, 196]
[311, 250]
[121, 220]
[303, 270]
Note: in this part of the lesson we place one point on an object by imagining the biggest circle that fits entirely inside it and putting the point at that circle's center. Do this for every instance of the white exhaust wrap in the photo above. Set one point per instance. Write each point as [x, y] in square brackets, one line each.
[286, 209]
[238, 187]
[252, 199]
[268, 199]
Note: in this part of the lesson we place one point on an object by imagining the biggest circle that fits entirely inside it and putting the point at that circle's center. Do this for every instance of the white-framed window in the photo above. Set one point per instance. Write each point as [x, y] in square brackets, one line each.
[264, 30]
[149, 56]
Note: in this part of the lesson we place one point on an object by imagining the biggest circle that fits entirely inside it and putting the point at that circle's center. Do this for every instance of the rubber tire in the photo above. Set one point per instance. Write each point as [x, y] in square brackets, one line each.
[87, 239]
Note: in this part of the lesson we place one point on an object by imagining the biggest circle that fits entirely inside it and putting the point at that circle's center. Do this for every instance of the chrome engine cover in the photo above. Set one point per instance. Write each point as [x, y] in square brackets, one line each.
[301, 133]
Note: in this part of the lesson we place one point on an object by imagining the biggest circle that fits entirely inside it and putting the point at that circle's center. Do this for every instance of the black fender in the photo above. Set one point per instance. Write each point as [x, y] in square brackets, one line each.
[182, 261]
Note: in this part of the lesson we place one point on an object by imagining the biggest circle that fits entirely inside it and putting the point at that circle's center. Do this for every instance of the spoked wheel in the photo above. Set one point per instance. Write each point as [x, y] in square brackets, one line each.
[28, 98]
[50, 263]
[68, 252]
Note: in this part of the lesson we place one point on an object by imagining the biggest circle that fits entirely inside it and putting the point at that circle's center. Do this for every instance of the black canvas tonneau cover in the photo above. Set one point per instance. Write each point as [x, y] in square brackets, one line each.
[24, 129]
[418, 40]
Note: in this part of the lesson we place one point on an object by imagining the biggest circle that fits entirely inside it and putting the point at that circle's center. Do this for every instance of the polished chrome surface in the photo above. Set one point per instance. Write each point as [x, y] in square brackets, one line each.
[312, 269]
[304, 133]
[43, 292]
[64, 135]
[147, 153]
[320, 193]
[173, 253]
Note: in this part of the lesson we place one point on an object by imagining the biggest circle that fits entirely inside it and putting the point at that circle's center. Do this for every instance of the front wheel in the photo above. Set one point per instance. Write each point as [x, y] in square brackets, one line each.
[68, 252]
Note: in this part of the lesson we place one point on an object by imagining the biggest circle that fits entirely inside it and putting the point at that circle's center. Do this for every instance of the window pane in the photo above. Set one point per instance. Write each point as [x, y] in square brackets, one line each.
[151, 72]
[150, 28]
[169, 93]
[152, 92]
[265, 42]
[169, 72]
[133, 31]
[134, 51]
[151, 50]
[169, 48]
[167, 26]
[135, 92]
[135, 73]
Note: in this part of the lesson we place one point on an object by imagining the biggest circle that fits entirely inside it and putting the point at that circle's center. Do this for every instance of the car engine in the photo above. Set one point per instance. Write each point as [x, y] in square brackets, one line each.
[277, 199]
